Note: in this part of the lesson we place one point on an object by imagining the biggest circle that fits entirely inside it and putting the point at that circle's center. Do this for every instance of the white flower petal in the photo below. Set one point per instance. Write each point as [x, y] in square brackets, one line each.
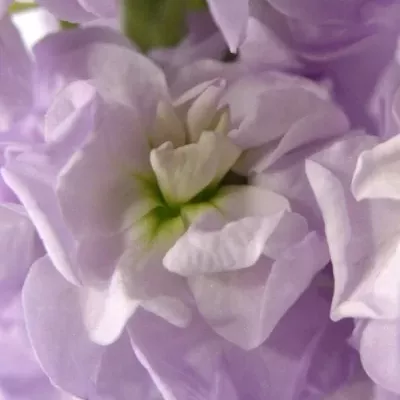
[184, 172]
[202, 111]
[377, 173]
[167, 127]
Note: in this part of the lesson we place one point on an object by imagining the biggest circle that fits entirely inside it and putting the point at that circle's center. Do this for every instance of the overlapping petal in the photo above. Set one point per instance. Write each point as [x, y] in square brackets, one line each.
[195, 362]
[16, 232]
[376, 175]
[21, 377]
[240, 258]
[59, 316]
[376, 338]
[362, 237]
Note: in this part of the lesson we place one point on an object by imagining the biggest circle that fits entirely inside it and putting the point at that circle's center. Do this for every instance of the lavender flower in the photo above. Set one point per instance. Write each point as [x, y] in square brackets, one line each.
[197, 228]
[122, 137]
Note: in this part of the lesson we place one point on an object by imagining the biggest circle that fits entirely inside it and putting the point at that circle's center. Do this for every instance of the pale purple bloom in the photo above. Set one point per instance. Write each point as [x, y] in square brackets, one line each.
[92, 190]
[202, 229]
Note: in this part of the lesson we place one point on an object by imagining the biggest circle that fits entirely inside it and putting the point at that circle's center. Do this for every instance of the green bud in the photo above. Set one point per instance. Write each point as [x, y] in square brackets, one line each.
[154, 23]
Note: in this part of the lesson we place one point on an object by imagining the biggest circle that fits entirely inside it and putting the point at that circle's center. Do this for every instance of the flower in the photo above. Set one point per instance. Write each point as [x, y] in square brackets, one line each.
[119, 246]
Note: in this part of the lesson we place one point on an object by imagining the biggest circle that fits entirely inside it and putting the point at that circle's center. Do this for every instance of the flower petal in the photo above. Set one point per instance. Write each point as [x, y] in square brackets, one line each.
[114, 308]
[4, 6]
[231, 17]
[106, 167]
[184, 172]
[122, 377]
[378, 171]
[244, 306]
[16, 233]
[186, 363]
[363, 236]
[32, 184]
[214, 243]
[138, 279]
[56, 329]
[203, 109]
[126, 76]
[101, 8]
[16, 78]
[381, 338]
[72, 11]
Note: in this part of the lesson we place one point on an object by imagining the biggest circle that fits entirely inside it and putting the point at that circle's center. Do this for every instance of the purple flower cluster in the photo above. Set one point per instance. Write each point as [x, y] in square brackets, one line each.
[216, 220]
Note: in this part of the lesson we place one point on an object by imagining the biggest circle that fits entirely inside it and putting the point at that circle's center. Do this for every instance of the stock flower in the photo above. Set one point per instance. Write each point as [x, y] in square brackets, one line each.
[125, 170]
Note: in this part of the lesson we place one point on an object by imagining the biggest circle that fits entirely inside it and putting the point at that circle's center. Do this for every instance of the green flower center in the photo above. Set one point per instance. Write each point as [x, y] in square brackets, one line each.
[172, 219]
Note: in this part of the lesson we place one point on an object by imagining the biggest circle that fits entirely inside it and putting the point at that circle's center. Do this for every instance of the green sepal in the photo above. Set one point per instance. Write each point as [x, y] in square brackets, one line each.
[154, 23]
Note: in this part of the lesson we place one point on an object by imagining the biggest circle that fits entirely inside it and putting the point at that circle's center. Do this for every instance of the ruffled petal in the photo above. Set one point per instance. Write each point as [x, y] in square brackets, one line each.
[124, 378]
[380, 338]
[215, 244]
[199, 164]
[101, 8]
[16, 233]
[31, 184]
[377, 172]
[107, 167]
[245, 306]
[231, 17]
[138, 280]
[186, 363]
[362, 236]
[53, 312]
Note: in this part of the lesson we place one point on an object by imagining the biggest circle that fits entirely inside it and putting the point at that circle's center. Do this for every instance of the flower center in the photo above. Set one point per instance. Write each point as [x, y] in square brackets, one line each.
[191, 159]
[169, 220]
